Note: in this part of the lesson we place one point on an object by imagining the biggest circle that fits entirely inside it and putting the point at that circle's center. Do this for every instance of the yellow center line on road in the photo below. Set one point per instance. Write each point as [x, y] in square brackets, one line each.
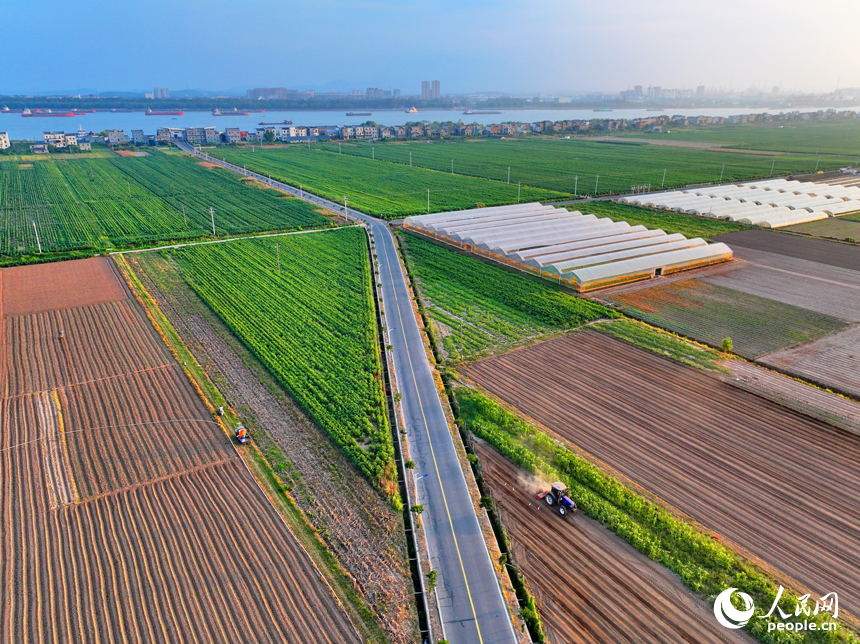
[432, 451]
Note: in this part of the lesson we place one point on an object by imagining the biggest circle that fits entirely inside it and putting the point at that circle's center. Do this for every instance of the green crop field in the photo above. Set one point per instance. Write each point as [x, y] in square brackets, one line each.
[670, 222]
[385, 189]
[709, 313]
[837, 137]
[86, 203]
[312, 325]
[477, 307]
[585, 166]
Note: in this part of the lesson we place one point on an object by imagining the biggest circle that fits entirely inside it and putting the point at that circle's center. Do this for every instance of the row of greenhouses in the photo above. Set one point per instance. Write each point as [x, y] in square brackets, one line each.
[771, 204]
[579, 249]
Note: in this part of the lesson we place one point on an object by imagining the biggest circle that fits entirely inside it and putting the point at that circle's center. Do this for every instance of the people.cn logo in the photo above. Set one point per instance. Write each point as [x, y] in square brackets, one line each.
[727, 614]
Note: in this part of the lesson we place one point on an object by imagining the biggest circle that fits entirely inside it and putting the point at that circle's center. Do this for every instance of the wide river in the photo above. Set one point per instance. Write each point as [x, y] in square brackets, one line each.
[30, 129]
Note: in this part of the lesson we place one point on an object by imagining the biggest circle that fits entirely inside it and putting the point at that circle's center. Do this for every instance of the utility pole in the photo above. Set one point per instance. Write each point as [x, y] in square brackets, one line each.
[278, 252]
[575, 183]
[596, 180]
[509, 174]
[373, 152]
[212, 214]
[428, 201]
[452, 166]
[772, 163]
[345, 213]
[38, 243]
[663, 183]
[721, 172]
[519, 185]
[817, 159]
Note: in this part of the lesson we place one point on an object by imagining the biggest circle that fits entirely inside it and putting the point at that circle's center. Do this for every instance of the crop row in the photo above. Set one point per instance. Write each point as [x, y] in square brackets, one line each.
[583, 166]
[500, 305]
[384, 189]
[312, 324]
[96, 203]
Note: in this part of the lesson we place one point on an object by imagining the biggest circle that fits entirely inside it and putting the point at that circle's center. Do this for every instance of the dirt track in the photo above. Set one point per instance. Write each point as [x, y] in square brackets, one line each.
[126, 534]
[777, 483]
[600, 590]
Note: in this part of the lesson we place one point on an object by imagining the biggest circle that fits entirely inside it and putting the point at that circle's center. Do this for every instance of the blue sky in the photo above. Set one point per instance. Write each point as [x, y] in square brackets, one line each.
[550, 46]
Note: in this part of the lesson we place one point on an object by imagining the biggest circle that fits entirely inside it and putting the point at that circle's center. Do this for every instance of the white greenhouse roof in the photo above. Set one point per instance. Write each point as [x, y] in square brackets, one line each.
[554, 241]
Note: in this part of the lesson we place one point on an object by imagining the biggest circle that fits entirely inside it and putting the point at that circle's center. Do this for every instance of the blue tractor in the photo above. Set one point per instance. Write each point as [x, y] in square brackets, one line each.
[242, 435]
[559, 497]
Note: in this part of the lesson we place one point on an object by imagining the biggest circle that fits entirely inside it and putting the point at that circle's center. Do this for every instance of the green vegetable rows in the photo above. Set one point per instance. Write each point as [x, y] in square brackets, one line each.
[98, 203]
[586, 166]
[485, 306]
[385, 189]
[312, 325]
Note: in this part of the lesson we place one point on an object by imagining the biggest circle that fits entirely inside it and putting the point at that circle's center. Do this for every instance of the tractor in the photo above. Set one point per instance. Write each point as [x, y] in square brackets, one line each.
[242, 435]
[558, 494]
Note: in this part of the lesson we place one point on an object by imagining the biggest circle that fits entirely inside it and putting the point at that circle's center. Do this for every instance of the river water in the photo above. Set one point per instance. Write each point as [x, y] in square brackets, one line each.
[30, 129]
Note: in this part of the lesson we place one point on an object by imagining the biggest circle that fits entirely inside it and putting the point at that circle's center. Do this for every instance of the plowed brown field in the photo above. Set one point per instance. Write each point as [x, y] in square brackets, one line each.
[127, 517]
[61, 285]
[776, 482]
[599, 589]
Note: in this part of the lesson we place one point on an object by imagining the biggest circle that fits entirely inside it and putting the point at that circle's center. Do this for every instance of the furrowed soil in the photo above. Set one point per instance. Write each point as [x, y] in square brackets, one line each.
[601, 590]
[115, 531]
[709, 313]
[772, 481]
[354, 521]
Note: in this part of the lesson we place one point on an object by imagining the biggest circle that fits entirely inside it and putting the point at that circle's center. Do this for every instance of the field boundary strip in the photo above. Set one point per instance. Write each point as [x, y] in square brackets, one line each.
[224, 241]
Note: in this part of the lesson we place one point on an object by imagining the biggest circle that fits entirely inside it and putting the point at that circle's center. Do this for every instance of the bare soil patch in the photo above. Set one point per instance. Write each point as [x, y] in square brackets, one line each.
[208, 164]
[768, 479]
[813, 250]
[602, 590]
[131, 153]
[832, 361]
[60, 285]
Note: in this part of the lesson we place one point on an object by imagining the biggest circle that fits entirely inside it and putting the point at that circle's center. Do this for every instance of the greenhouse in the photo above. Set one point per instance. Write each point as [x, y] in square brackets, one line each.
[771, 204]
[570, 246]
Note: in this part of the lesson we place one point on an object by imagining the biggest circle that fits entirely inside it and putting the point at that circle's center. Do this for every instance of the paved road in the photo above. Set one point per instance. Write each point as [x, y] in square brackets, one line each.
[472, 607]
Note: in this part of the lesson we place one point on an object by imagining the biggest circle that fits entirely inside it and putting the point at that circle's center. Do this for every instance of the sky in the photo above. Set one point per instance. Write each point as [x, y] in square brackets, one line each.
[516, 46]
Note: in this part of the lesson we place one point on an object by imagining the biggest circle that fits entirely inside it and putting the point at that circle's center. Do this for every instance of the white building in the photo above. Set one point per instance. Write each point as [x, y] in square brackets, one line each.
[4, 140]
[59, 139]
[117, 137]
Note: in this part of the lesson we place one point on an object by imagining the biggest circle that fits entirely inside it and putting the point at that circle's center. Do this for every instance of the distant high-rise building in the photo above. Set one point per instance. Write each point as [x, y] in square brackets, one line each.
[386, 93]
[775, 90]
[374, 92]
[395, 93]
[700, 91]
[161, 92]
[430, 89]
[637, 89]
